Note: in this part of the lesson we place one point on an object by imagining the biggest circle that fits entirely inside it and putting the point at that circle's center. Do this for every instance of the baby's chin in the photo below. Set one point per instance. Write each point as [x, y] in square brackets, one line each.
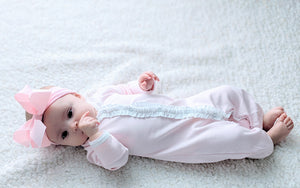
[84, 141]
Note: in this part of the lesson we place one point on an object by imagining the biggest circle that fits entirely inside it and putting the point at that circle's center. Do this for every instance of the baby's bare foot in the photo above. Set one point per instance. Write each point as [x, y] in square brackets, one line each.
[271, 116]
[281, 128]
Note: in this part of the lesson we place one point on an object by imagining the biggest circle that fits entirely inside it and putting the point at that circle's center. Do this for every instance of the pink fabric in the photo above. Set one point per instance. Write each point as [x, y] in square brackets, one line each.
[35, 102]
[191, 140]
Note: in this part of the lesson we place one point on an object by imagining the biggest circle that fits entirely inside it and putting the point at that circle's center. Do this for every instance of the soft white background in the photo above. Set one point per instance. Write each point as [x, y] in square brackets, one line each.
[192, 45]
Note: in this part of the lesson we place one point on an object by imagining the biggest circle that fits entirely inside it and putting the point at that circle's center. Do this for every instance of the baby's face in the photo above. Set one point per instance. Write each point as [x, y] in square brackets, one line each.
[62, 117]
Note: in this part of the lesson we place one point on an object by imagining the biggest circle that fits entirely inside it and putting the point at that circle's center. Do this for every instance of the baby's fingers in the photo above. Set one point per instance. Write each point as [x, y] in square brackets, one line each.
[151, 75]
[155, 77]
[144, 84]
[88, 119]
[85, 114]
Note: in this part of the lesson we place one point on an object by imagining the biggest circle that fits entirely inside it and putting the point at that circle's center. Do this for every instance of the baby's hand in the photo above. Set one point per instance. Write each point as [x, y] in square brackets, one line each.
[88, 125]
[146, 81]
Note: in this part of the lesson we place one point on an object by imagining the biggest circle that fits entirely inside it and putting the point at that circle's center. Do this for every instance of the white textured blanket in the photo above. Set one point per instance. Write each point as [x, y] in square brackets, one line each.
[192, 45]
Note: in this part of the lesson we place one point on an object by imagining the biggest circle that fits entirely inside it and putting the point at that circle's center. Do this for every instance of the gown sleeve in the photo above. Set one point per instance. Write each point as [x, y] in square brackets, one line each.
[129, 88]
[107, 151]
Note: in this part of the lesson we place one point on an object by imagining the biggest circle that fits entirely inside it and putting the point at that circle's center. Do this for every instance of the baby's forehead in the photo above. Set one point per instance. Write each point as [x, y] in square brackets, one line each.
[64, 100]
[57, 107]
[60, 105]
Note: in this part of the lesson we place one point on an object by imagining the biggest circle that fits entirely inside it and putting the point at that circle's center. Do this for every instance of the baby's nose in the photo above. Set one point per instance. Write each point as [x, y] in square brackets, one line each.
[74, 126]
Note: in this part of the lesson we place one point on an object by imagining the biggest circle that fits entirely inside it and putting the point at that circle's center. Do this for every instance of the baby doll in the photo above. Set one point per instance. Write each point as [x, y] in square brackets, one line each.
[128, 119]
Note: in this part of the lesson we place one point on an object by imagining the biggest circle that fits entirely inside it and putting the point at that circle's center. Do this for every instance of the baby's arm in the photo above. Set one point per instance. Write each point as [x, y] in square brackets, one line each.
[107, 151]
[144, 84]
[103, 149]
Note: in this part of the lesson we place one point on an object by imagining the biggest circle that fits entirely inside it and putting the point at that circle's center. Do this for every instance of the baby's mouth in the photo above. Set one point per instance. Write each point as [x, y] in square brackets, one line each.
[84, 134]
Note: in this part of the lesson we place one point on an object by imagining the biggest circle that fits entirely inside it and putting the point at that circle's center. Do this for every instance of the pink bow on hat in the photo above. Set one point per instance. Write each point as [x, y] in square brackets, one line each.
[35, 102]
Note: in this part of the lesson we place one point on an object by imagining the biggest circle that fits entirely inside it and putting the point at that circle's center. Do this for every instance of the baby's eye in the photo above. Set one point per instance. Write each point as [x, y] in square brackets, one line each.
[70, 113]
[64, 134]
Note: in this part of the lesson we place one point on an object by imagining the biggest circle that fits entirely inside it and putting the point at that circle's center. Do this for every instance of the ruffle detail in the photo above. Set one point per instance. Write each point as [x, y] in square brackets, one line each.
[152, 110]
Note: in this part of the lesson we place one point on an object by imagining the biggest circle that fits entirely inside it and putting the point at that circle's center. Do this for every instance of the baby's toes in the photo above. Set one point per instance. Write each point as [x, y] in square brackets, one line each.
[280, 108]
[282, 117]
[287, 120]
[290, 124]
[290, 127]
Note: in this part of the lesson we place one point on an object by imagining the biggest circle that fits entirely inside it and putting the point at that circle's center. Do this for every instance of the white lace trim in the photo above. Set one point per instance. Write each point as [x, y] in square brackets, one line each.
[151, 110]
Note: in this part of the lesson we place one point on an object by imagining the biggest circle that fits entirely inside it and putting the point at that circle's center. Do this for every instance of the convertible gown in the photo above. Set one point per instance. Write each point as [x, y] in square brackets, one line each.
[214, 125]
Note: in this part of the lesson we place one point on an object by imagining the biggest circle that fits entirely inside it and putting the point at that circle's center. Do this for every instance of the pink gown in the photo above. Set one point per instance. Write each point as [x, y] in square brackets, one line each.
[214, 125]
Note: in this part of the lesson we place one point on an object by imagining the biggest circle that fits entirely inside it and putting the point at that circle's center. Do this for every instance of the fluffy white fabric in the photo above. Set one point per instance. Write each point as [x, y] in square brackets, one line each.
[192, 46]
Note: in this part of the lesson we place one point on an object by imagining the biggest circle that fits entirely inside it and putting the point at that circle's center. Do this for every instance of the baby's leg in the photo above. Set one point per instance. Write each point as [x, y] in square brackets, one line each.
[271, 116]
[243, 108]
[282, 127]
[228, 140]
[245, 111]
